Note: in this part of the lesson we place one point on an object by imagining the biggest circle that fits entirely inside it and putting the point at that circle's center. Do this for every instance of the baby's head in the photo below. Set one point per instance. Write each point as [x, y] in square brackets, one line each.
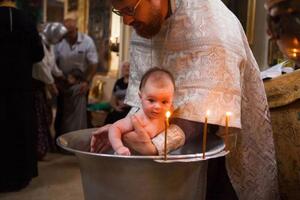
[157, 89]
[75, 76]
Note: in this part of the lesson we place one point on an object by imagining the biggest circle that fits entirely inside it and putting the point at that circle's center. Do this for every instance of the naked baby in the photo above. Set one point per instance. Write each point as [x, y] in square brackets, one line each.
[156, 93]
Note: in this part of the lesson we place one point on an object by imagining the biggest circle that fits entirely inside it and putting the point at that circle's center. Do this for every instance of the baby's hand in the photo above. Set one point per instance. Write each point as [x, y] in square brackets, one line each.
[123, 151]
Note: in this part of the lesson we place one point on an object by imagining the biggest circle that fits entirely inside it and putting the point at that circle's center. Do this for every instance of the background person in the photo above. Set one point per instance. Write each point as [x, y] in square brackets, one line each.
[120, 109]
[75, 51]
[43, 79]
[214, 69]
[20, 47]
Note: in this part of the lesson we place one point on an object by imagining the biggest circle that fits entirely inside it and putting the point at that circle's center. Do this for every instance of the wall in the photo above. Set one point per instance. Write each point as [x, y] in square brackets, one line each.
[99, 28]
[125, 44]
[53, 11]
[33, 8]
[259, 40]
[260, 44]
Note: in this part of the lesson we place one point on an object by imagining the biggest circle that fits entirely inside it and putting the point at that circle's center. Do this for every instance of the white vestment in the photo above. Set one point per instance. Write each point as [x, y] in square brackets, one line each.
[204, 46]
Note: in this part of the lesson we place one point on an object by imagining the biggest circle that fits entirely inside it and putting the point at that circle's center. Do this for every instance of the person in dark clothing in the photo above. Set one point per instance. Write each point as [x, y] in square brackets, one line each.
[20, 48]
[120, 110]
[43, 74]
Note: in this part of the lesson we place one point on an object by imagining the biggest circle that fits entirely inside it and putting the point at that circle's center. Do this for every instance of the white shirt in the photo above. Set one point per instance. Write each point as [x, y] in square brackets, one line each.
[79, 55]
[45, 69]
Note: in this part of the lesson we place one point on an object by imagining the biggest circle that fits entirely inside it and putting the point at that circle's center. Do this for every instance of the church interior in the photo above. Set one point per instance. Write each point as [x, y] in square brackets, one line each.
[63, 176]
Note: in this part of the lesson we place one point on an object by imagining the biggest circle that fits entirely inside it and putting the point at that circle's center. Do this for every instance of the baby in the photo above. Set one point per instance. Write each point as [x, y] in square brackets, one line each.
[156, 92]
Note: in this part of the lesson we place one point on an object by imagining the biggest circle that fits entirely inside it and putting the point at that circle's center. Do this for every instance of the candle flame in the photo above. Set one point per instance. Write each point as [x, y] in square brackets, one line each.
[207, 113]
[168, 114]
[228, 113]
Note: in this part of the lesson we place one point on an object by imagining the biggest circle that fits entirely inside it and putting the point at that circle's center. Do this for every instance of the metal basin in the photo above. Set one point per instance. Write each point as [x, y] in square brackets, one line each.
[113, 177]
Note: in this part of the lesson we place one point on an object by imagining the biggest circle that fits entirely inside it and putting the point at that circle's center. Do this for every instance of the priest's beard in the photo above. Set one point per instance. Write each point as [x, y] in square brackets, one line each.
[150, 29]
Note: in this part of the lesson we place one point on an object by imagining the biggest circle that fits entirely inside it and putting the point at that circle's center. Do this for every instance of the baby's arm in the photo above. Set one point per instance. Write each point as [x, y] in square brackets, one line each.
[115, 133]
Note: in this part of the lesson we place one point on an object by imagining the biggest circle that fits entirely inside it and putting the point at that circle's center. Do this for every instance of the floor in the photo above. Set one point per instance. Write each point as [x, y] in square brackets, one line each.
[59, 179]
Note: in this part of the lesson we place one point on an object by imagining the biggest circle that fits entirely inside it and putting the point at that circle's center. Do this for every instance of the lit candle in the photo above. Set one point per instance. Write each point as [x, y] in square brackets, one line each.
[226, 129]
[168, 114]
[205, 134]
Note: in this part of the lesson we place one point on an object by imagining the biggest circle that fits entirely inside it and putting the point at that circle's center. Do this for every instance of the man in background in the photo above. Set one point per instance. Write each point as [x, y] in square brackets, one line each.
[78, 51]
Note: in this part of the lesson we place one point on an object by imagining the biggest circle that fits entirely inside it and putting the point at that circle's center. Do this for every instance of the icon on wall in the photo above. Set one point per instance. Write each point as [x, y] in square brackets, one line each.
[72, 5]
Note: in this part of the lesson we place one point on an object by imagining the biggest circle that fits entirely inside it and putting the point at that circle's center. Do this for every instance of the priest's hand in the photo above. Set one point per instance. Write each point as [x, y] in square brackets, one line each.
[139, 140]
[99, 140]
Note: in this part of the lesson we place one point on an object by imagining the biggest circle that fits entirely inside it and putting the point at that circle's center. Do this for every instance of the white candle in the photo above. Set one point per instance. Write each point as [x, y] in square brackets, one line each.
[168, 114]
[205, 134]
[226, 129]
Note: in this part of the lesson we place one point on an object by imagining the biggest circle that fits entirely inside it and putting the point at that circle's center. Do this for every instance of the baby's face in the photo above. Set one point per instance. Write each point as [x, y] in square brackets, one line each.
[156, 101]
